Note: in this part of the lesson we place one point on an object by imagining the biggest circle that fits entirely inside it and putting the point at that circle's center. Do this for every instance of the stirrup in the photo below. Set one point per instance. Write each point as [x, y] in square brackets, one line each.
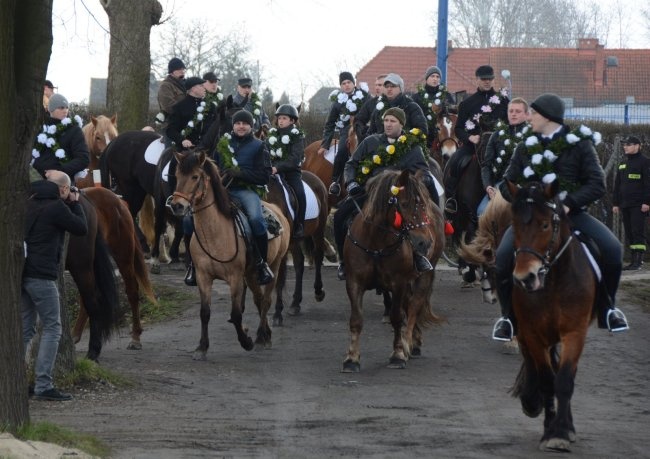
[451, 206]
[497, 326]
[621, 317]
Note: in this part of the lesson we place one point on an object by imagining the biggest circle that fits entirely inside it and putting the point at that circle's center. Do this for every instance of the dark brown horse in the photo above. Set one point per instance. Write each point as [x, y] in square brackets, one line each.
[115, 225]
[314, 243]
[554, 303]
[219, 250]
[397, 217]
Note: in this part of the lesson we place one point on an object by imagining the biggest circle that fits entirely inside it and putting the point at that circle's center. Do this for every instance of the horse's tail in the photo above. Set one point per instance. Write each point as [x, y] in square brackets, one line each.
[480, 251]
[142, 272]
[147, 220]
[425, 316]
[110, 313]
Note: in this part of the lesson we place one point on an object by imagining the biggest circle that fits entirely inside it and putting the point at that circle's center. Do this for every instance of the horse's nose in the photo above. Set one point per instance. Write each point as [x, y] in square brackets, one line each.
[177, 209]
[530, 282]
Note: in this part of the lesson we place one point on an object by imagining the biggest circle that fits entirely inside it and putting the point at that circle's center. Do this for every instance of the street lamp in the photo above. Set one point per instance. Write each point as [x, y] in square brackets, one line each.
[505, 73]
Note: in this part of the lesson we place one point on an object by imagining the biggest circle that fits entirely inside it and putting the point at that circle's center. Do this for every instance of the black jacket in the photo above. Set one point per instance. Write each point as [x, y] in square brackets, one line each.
[632, 183]
[496, 155]
[334, 119]
[427, 99]
[76, 151]
[472, 106]
[414, 115]
[295, 151]
[578, 165]
[46, 221]
[185, 111]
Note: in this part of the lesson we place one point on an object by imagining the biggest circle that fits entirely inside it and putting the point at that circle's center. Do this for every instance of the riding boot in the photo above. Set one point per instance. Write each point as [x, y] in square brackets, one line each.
[422, 263]
[504, 328]
[190, 275]
[264, 273]
[171, 175]
[299, 222]
[614, 318]
[335, 187]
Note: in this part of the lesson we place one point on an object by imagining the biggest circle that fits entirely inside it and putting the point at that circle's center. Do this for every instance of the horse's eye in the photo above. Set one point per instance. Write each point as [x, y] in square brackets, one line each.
[545, 225]
[195, 177]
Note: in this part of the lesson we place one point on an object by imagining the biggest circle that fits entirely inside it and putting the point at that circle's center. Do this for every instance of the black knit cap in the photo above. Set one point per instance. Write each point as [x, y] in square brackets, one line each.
[632, 140]
[175, 64]
[550, 106]
[484, 71]
[193, 81]
[244, 116]
[343, 76]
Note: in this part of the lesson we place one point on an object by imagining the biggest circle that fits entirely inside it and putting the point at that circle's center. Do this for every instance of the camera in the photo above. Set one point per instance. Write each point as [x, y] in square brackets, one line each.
[74, 189]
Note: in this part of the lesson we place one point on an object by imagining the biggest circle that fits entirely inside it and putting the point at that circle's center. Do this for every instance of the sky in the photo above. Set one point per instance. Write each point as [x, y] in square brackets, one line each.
[301, 45]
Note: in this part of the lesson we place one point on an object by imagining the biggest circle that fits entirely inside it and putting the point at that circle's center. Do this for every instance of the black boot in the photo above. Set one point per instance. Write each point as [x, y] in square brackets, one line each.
[190, 275]
[636, 262]
[422, 263]
[340, 272]
[504, 329]
[298, 231]
[335, 187]
[616, 320]
[264, 273]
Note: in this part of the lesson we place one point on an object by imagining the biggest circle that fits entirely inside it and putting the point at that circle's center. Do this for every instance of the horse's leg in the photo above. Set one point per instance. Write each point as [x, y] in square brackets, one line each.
[388, 304]
[176, 243]
[278, 320]
[352, 362]
[527, 383]
[85, 281]
[400, 343]
[262, 297]
[205, 294]
[299, 269]
[319, 254]
[237, 295]
[80, 324]
[160, 223]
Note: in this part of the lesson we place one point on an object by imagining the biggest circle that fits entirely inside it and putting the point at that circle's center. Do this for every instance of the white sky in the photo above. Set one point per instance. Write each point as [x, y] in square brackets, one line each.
[299, 44]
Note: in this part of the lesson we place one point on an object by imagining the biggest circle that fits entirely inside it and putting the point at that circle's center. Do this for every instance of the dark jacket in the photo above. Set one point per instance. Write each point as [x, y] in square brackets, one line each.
[185, 111]
[362, 119]
[472, 106]
[46, 221]
[253, 161]
[413, 160]
[495, 150]
[170, 92]
[295, 151]
[72, 140]
[426, 100]
[246, 103]
[414, 116]
[335, 119]
[632, 183]
[578, 165]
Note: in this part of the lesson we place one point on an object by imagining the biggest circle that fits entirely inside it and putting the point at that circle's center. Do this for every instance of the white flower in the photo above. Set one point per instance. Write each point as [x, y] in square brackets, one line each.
[342, 98]
[199, 117]
[363, 85]
[190, 123]
[200, 108]
[430, 118]
[36, 153]
[278, 152]
[469, 125]
[597, 138]
[506, 142]
[339, 124]
[256, 112]
[234, 162]
[502, 153]
[220, 96]
[562, 194]
[439, 94]
[499, 160]
[50, 142]
[536, 159]
[51, 129]
[549, 155]
[494, 100]
[78, 120]
[272, 140]
[258, 103]
[584, 130]
[42, 138]
[333, 93]
[379, 105]
[65, 121]
[285, 139]
[528, 172]
[549, 178]
[476, 117]
[60, 153]
[426, 95]
[572, 138]
[357, 95]
[502, 132]
[486, 109]
[532, 140]
[295, 131]
[344, 118]
[227, 136]
[351, 106]
[437, 101]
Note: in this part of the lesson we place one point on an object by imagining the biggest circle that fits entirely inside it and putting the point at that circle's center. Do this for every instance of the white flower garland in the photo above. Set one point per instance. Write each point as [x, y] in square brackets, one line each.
[282, 149]
[49, 136]
[350, 103]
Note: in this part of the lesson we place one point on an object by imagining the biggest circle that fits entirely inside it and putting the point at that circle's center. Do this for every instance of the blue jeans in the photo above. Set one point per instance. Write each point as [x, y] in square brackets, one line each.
[251, 204]
[41, 296]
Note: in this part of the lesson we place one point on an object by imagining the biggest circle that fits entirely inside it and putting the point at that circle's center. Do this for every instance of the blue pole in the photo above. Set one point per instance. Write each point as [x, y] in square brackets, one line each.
[626, 115]
[441, 51]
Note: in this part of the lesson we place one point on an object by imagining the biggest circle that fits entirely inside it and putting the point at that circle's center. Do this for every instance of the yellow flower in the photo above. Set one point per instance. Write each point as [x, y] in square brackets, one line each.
[401, 139]
[390, 149]
[376, 159]
[415, 131]
[365, 170]
[394, 190]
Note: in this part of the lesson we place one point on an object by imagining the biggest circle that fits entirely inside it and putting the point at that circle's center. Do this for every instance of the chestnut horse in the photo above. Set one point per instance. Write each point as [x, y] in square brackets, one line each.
[219, 250]
[397, 217]
[115, 225]
[554, 301]
[314, 242]
[98, 134]
[446, 143]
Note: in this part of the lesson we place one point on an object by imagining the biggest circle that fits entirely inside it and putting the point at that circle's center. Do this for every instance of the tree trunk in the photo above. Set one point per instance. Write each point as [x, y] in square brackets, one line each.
[25, 47]
[129, 63]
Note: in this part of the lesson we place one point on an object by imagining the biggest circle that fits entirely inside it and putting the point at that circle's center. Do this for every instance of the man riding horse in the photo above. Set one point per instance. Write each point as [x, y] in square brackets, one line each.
[434, 98]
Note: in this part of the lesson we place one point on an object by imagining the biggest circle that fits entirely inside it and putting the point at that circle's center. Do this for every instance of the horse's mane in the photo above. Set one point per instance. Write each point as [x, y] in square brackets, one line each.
[221, 197]
[379, 193]
[102, 124]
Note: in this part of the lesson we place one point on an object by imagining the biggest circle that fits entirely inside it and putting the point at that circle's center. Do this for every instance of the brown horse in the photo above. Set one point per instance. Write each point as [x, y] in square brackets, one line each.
[115, 225]
[446, 143]
[397, 217]
[98, 134]
[219, 251]
[482, 249]
[554, 302]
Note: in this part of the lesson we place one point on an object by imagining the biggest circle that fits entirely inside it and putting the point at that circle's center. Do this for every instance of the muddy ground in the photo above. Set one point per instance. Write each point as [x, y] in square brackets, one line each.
[293, 401]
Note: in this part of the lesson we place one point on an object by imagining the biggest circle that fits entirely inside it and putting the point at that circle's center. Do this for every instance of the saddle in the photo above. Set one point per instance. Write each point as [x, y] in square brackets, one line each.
[273, 227]
[596, 259]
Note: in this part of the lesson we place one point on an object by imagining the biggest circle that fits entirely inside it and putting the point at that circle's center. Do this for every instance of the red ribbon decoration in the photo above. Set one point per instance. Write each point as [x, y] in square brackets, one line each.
[449, 229]
[397, 221]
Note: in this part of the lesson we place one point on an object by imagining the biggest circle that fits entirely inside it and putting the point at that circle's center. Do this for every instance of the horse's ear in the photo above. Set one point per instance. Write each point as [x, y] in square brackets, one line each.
[551, 189]
[299, 107]
[93, 119]
[403, 178]
[229, 102]
[513, 188]
[179, 156]
[202, 157]
[114, 120]
[277, 105]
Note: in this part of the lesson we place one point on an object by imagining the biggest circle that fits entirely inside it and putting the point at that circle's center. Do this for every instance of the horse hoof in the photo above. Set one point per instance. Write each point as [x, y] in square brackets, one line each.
[510, 347]
[572, 436]
[385, 319]
[294, 311]
[396, 363]
[416, 352]
[248, 344]
[350, 366]
[94, 356]
[134, 346]
[278, 321]
[556, 444]
[319, 296]
[155, 269]
[199, 355]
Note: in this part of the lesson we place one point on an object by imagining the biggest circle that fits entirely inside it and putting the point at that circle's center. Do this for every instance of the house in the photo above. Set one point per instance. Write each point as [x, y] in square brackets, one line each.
[98, 92]
[595, 82]
[320, 102]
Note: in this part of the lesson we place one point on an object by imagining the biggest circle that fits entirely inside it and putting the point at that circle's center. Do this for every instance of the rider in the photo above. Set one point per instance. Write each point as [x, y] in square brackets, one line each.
[413, 160]
[248, 99]
[500, 148]
[477, 114]
[286, 158]
[582, 181]
[252, 170]
[434, 98]
[171, 90]
[362, 119]
[345, 104]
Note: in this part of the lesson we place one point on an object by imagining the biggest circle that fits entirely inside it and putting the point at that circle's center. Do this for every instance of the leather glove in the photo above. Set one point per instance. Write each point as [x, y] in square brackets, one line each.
[354, 189]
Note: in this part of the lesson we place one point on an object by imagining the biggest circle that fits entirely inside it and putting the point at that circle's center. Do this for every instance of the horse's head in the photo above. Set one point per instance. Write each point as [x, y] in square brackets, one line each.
[99, 133]
[447, 141]
[536, 218]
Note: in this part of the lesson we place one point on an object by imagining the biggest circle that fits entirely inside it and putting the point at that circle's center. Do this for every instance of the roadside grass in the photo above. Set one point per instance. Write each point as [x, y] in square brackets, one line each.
[51, 433]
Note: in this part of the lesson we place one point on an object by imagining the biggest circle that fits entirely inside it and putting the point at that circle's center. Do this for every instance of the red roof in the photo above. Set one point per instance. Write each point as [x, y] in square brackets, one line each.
[581, 74]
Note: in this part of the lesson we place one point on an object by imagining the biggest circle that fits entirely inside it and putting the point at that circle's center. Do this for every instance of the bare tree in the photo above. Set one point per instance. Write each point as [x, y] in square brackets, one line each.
[25, 47]
[129, 62]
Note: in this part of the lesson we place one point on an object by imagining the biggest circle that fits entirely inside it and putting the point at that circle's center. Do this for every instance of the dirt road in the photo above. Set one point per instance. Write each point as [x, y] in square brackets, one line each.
[293, 401]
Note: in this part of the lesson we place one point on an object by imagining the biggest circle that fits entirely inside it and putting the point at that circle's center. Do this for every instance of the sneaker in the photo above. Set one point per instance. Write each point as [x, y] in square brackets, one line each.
[422, 263]
[502, 330]
[616, 321]
[335, 189]
[53, 395]
[340, 271]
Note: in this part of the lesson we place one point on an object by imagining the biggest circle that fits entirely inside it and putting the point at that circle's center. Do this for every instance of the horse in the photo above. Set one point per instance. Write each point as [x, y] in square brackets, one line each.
[446, 143]
[481, 251]
[218, 249]
[397, 217]
[314, 242]
[115, 225]
[89, 263]
[554, 301]
[98, 133]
